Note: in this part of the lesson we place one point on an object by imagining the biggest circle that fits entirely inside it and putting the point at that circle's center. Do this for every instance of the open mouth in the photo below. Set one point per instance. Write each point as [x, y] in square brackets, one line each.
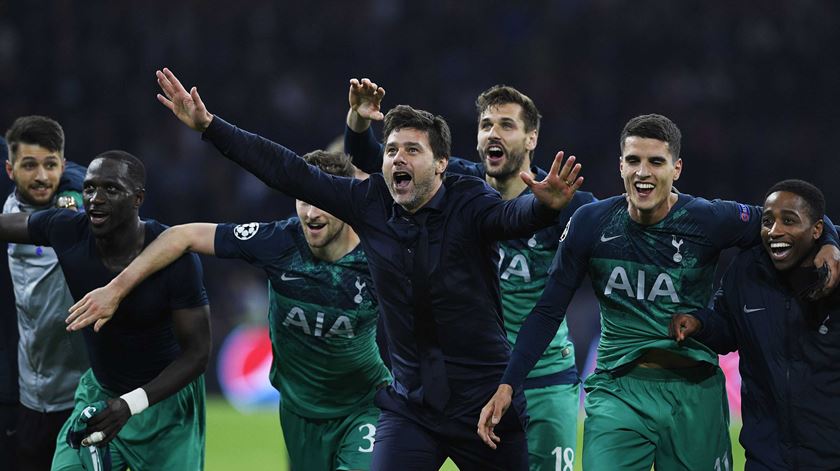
[644, 189]
[402, 180]
[780, 250]
[494, 153]
[315, 226]
[97, 217]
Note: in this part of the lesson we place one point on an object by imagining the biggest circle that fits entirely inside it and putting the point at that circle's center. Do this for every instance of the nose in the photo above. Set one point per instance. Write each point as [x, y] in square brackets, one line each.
[41, 174]
[312, 212]
[643, 171]
[776, 229]
[400, 157]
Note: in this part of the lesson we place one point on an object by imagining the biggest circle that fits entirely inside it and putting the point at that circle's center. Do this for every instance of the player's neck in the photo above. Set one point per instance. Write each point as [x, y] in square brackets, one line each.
[343, 244]
[119, 247]
[654, 215]
[511, 185]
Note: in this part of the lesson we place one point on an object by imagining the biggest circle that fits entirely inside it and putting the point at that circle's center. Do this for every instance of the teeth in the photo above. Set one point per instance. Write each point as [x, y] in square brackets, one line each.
[644, 186]
[779, 245]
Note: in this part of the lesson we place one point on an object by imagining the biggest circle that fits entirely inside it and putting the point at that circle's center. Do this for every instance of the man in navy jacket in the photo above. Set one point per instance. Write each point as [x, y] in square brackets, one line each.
[789, 343]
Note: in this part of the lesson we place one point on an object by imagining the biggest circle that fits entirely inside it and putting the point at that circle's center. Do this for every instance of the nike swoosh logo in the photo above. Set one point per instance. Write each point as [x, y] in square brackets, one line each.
[283, 277]
[748, 310]
[604, 237]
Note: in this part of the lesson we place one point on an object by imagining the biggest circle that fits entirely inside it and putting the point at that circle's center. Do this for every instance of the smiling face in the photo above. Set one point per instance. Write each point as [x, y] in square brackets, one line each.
[36, 172]
[410, 169]
[649, 172]
[503, 142]
[110, 197]
[320, 228]
[787, 231]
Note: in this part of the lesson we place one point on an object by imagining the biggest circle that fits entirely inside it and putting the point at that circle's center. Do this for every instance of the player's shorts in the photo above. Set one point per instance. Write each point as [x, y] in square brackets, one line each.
[413, 438]
[167, 435]
[552, 431]
[330, 444]
[677, 419]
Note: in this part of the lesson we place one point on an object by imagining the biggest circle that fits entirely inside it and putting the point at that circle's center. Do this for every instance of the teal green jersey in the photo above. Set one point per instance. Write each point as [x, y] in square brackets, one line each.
[523, 272]
[322, 318]
[642, 275]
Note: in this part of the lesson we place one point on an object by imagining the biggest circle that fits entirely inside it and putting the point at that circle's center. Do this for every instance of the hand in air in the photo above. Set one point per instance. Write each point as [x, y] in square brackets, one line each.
[188, 107]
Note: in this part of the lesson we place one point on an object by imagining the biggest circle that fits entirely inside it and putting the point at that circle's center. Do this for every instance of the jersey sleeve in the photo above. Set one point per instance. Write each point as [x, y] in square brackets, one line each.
[718, 326]
[499, 219]
[282, 169]
[255, 243]
[733, 224]
[50, 226]
[186, 285]
[565, 275]
[365, 150]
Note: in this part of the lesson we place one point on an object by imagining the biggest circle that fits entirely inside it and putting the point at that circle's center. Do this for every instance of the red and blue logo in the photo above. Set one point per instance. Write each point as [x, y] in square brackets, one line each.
[744, 212]
[243, 366]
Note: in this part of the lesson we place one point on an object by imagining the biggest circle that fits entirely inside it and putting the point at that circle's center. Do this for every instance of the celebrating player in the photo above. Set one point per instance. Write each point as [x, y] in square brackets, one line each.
[789, 344]
[649, 253]
[50, 360]
[430, 243]
[508, 128]
[322, 318]
[147, 365]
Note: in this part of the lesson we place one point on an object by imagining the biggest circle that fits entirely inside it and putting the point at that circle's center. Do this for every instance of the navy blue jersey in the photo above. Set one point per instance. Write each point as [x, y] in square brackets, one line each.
[139, 342]
[322, 318]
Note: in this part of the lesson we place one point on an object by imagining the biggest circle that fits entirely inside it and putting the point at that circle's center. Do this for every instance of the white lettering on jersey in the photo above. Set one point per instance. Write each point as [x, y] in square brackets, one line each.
[518, 266]
[663, 286]
[297, 317]
[342, 327]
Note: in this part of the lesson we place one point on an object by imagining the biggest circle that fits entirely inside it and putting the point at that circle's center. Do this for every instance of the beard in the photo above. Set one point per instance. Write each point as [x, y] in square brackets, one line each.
[510, 168]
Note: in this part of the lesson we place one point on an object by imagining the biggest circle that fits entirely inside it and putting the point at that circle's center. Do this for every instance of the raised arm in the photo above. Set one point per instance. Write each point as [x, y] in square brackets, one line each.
[277, 166]
[192, 329]
[100, 304]
[365, 99]
[14, 228]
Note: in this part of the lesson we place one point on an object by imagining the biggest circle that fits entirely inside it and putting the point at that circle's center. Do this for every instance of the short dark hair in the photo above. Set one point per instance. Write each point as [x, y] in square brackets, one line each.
[813, 197]
[404, 116]
[498, 95]
[36, 130]
[334, 163]
[654, 126]
[136, 169]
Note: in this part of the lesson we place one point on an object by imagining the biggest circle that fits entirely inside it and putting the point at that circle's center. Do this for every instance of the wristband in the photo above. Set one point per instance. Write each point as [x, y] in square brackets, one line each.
[137, 400]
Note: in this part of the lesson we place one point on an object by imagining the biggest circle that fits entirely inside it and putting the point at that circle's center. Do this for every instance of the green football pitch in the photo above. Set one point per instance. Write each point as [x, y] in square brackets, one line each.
[254, 441]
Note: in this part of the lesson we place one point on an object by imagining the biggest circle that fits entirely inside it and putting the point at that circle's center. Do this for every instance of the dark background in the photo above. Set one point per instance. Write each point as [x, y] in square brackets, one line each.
[753, 86]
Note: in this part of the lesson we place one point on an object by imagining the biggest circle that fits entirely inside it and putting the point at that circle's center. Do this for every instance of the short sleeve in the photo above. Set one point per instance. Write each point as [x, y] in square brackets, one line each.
[186, 284]
[50, 226]
[253, 242]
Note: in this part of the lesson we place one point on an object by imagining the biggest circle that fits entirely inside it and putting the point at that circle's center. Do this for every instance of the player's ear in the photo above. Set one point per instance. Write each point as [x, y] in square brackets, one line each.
[139, 197]
[677, 169]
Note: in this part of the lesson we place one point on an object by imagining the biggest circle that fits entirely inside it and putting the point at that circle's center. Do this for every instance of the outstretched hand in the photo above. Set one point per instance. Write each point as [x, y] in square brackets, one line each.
[96, 307]
[492, 413]
[559, 186]
[366, 99]
[188, 107]
[683, 326]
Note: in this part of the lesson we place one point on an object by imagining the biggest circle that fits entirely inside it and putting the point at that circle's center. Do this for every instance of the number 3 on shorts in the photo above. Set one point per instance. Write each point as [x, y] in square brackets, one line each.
[371, 433]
